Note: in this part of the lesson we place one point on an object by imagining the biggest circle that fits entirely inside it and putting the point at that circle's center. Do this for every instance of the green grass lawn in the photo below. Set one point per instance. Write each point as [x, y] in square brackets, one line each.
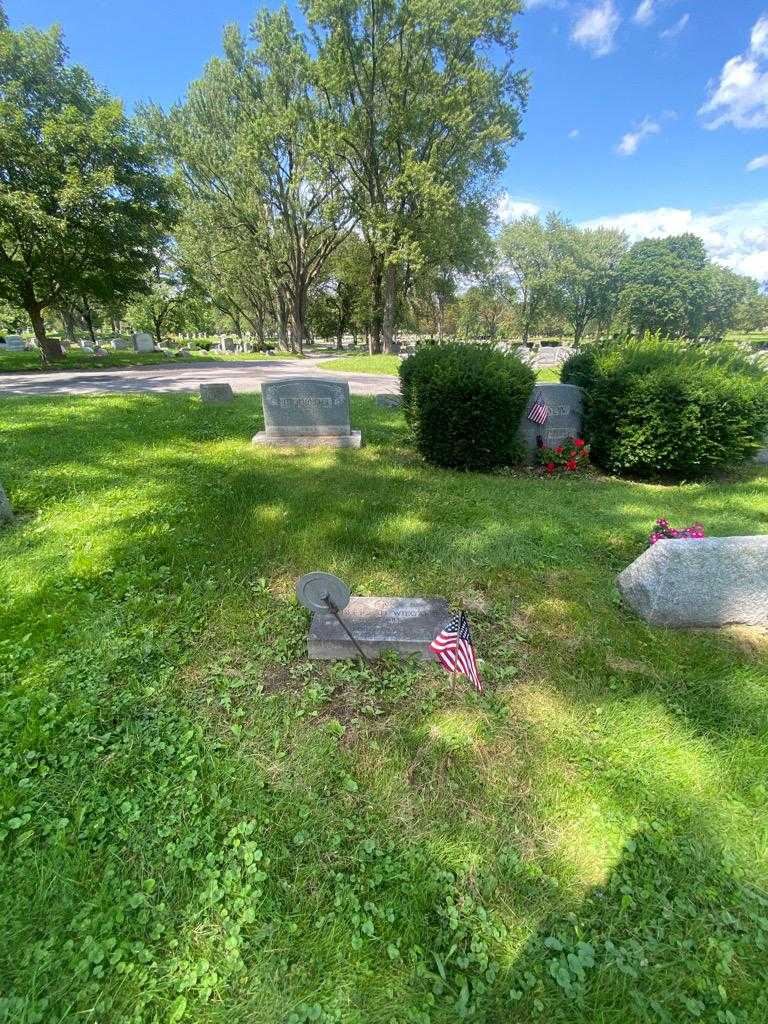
[363, 363]
[18, 362]
[200, 825]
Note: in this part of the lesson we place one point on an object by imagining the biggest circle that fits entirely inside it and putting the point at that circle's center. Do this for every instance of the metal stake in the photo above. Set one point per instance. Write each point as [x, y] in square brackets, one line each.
[343, 625]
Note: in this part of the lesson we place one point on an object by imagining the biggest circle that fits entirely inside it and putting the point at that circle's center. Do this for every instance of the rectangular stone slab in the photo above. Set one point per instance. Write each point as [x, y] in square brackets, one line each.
[300, 406]
[406, 625]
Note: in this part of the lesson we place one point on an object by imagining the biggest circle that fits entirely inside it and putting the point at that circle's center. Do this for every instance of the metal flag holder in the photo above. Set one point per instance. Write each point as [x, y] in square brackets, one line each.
[323, 592]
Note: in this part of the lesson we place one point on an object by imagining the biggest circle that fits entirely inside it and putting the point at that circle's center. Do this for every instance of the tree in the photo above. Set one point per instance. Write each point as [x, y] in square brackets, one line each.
[751, 312]
[251, 143]
[336, 306]
[424, 117]
[586, 273]
[672, 288]
[82, 203]
[485, 308]
[525, 250]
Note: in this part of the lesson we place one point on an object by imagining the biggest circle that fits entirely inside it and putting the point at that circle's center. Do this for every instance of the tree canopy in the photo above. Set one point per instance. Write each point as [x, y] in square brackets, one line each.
[82, 200]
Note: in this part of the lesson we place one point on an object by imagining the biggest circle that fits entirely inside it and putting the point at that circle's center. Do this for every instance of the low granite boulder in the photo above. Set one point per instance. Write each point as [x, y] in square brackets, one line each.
[717, 581]
[216, 392]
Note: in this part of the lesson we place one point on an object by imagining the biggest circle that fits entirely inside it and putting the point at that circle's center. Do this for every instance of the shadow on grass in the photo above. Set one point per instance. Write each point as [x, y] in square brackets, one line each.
[160, 559]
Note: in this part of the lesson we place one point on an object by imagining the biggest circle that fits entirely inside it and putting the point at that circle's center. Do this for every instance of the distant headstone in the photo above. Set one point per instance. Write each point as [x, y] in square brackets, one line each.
[228, 345]
[143, 342]
[712, 582]
[306, 411]
[14, 343]
[550, 356]
[216, 393]
[121, 344]
[406, 625]
[761, 458]
[6, 512]
[389, 401]
[565, 404]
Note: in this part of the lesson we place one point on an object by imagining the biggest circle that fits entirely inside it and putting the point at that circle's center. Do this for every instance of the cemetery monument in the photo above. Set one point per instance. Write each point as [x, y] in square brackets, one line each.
[307, 412]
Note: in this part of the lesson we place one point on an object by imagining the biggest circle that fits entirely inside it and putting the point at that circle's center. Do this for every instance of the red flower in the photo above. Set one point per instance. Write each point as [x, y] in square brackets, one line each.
[559, 451]
[579, 443]
[570, 464]
[550, 468]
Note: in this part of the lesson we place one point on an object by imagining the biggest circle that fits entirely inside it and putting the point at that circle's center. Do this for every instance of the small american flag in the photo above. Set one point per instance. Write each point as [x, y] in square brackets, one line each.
[539, 412]
[455, 651]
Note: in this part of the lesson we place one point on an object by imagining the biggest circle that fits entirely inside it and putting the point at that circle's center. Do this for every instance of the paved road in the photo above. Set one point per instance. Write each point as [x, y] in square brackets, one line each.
[243, 375]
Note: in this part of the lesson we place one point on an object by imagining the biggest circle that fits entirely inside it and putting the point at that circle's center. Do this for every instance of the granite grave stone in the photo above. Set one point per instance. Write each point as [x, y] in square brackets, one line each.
[405, 625]
[143, 342]
[716, 581]
[306, 411]
[565, 404]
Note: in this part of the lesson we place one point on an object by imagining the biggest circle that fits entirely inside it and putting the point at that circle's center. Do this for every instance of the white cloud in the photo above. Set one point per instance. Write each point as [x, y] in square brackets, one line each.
[676, 29]
[758, 40]
[596, 27]
[508, 208]
[645, 13]
[730, 236]
[632, 139]
[758, 163]
[740, 97]
[574, 133]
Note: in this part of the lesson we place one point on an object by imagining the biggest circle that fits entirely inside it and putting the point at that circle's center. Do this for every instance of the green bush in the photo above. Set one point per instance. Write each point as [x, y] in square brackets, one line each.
[464, 404]
[658, 409]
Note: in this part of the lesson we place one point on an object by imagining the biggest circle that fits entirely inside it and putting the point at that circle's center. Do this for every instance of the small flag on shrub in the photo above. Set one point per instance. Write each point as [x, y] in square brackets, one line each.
[455, 651]
[539, 412]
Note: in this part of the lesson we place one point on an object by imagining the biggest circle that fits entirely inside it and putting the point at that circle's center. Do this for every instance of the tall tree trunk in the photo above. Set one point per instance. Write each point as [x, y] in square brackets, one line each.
[69, 325]
[374, 337]
[388, 322]
[49, 347]
[339, 344]
[297, 320]
[87, 315]
[282, 321]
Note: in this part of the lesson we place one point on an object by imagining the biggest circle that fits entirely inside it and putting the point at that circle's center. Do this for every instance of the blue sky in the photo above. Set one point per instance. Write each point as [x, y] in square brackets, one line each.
[644, 113]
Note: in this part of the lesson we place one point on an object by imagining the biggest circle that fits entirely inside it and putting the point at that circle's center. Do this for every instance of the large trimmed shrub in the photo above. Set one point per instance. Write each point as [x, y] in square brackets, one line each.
[464, 404]
[669, 409]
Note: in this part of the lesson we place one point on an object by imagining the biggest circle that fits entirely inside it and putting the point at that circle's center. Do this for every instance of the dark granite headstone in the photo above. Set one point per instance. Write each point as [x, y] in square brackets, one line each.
[565, 402]
[406, 625]
[307, 411]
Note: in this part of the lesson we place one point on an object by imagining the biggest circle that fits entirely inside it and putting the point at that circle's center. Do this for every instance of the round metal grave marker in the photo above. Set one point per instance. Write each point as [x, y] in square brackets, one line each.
[321, 592]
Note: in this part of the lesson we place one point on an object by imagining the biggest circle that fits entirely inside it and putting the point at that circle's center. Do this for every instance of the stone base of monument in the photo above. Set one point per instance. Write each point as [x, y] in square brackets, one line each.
[353, 439]
[405, 625]
[216, 393]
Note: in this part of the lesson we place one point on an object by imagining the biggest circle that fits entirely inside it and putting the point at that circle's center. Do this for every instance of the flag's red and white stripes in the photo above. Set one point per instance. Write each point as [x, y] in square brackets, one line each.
[454, 649]
[539, 412]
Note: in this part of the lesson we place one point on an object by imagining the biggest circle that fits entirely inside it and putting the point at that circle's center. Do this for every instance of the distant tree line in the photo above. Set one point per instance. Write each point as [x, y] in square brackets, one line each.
[329, 182]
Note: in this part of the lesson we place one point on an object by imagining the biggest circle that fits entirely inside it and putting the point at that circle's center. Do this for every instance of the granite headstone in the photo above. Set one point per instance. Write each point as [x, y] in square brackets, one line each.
[143, 342]
[565, 404]
[14, 343]
[216, 393]
[306, 411]
[712, 582]
[405, 625]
